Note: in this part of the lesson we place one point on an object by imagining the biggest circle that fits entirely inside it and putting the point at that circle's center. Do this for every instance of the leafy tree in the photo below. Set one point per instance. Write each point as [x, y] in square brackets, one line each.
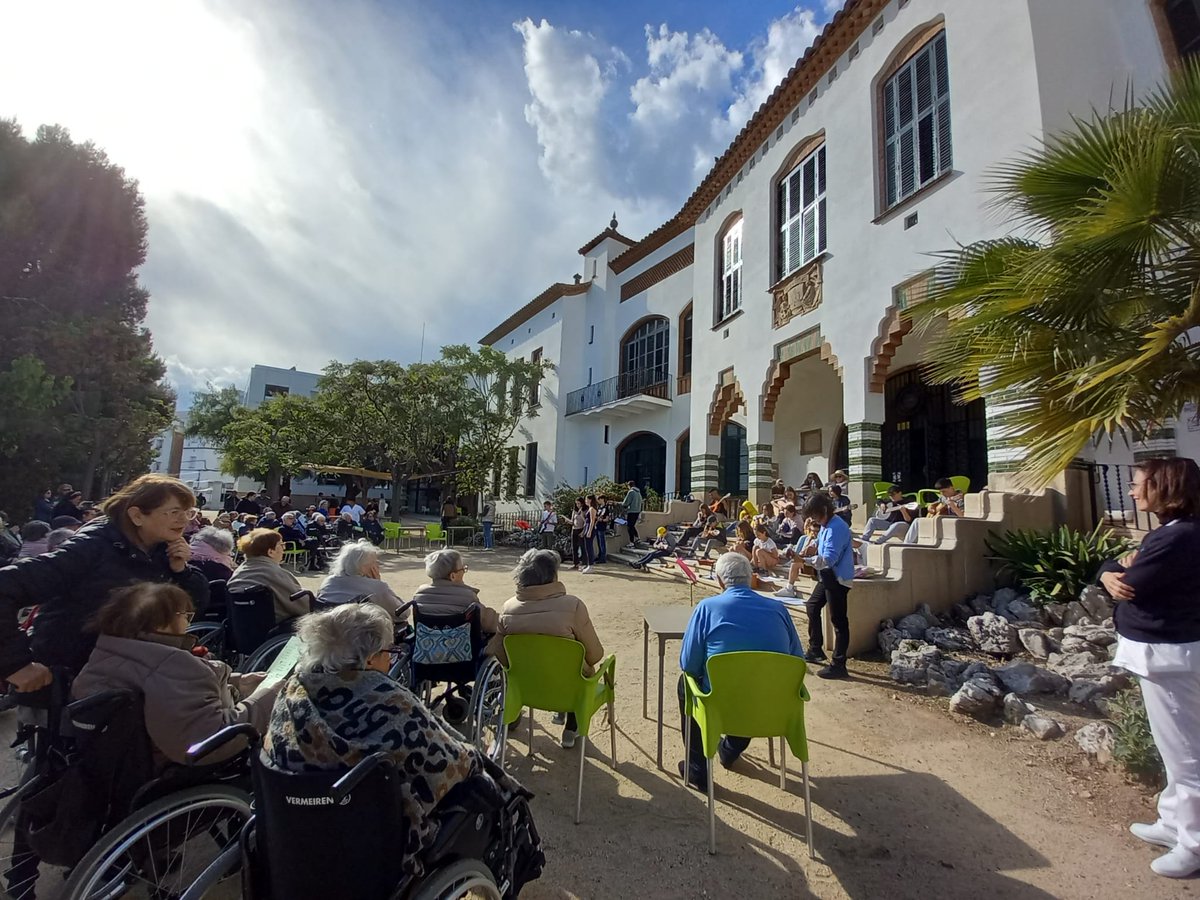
[273, 440]
[1083, 322]
[212, 410]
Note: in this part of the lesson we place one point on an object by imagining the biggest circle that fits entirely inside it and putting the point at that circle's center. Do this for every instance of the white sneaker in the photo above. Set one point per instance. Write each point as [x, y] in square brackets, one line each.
[585, 570]
[788, 590]
[568, 740]
[1179, 863]
[1158, 834]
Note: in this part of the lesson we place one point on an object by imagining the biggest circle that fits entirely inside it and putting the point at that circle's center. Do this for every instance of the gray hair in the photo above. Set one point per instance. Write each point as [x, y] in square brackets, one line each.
[343, 638]
[442, 563]
[733, 569]
[536, 567]
[58, 537]
[217, 538]
[354, 558]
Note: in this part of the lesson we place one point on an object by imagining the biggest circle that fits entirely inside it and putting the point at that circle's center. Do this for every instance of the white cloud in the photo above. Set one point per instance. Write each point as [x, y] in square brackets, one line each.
[686, 71]
[787, 39]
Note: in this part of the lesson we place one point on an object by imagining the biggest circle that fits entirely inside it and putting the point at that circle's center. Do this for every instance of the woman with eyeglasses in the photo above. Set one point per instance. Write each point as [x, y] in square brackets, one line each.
[143, 646]
[139, 538]
[448, 592]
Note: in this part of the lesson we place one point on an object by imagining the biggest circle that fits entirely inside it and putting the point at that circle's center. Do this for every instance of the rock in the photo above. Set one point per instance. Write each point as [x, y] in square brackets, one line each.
[911, 662]
[914, 626]
[1024, 612]
[976, 698]
[1042, 728]
[993, 634]
[1015, 709]
[889, 640]
[1074, 614]
[1098, 635]
[1085, 693]
[950, 638]
[1055, 612]
[1038, 643]
[930, 617]
[1026, 678]
[1079, 665]
[1056, 633]
[1095, 600]
[975, 668]
[938, 684]
[1096, 740]
[980, 604]
[960, 612]
[1074, 645]
[954, 669]
[1002, 598]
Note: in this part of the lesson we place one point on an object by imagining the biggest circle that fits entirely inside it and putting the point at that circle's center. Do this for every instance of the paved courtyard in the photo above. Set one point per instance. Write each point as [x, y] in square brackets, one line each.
[907, 802]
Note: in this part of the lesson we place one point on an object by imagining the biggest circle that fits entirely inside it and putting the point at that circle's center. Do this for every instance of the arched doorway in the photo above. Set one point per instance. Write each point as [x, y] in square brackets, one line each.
[927, 436]
[733, 472]
[642, 459]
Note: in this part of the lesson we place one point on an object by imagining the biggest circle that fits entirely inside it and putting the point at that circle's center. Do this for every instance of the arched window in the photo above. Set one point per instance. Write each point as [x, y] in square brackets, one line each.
[800, 213]
[646, 356]
[916, 118]
[642, 459]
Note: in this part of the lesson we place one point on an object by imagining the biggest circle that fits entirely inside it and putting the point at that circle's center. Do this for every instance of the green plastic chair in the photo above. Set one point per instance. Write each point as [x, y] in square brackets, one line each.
[925, 496]
[391, 533]
[881, 489]
[546, 672]
[753, 694]
[434, 534]
[294, 555]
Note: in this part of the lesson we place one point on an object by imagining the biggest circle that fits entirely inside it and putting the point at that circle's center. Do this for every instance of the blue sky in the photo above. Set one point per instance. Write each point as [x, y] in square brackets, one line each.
[322, 179]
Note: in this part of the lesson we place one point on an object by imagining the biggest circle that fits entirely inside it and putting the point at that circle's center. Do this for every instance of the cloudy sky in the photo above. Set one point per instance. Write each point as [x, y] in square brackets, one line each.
[322, 177]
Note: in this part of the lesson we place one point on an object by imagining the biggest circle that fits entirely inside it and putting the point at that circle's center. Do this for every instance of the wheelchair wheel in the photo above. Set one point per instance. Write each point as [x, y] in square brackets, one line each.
[166, 848]
[210, 635]
[401, 667]
[459, 879]
[22, 873]
[487, 711]
[260, 660]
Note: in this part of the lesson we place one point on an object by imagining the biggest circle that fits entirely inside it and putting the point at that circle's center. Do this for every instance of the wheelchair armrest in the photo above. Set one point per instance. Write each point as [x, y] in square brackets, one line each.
[351, 779]
[87, 704]
[404, 608]
[197, 752]
[305, 593]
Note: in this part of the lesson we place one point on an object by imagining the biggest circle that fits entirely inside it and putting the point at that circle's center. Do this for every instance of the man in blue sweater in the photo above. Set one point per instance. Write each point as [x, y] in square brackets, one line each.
[737, 619]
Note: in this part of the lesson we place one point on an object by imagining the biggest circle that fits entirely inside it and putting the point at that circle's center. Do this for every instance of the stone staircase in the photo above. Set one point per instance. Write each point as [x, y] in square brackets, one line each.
[948, 563]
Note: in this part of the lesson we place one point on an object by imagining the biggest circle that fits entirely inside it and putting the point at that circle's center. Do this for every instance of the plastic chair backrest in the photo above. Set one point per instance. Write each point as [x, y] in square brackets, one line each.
[251, 616]
[756, 694]
[391, 530]
[546, 672]
[881, 489]
[298, 825]
[961, 483]
[439, 634]
[433, 532]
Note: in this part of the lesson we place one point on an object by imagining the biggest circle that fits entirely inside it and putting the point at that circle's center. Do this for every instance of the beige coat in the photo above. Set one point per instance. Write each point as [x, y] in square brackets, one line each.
[548, 609]
[187, 699]
[443, 597]
[262, 571]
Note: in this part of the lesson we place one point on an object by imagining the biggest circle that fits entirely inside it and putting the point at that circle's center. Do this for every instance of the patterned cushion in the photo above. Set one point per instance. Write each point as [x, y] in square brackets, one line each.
[435, 646]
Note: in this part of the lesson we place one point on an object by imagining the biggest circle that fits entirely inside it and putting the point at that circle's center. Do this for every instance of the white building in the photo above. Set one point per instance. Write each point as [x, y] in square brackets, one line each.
[758, 333]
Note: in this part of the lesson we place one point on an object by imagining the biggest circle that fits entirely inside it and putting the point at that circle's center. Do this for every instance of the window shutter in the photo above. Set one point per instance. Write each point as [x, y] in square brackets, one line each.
[821, 245]
[810, 234]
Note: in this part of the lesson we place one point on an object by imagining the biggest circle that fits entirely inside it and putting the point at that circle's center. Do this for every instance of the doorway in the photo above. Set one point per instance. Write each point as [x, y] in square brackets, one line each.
[927, 435]
[642, 459]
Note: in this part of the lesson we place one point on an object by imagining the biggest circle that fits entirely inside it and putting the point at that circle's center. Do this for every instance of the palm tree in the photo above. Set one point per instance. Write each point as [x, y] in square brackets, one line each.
[1084, 320]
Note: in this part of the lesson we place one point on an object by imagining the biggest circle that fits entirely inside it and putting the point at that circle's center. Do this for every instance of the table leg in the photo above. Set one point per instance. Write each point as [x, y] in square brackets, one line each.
[645, 669]
[661, 653]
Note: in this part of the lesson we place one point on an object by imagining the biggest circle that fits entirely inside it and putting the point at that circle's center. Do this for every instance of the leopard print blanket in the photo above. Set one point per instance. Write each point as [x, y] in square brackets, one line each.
[332, 720]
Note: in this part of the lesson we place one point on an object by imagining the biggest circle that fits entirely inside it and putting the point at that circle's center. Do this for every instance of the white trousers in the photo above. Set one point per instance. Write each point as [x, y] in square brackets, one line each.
[1173, 707]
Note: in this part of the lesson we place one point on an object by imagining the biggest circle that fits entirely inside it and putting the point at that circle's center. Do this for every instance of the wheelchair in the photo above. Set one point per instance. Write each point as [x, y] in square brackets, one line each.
[89, 818]
[449, 649]
[246, 636]
[286, 851]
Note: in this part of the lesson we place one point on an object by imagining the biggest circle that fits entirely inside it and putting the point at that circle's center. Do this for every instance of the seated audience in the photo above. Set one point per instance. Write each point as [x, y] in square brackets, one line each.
[68, 506]
[347, 530]
[713, 537]
[448, 593]
[789, 529]
[224, 522]
[892, 517]
[292, 533]
[318, 528]
[694, 530]
[716, 504]
[212, 553]
[765, 555]
[66, 522]
[841, 503]
[340, 706]
[735, 620]
[812, 482]
[951, 503]
[33, 538]
[543, 606]
[808, 536]
[744, 540]
[372, 527]
[143, 645]
[664, 546]
[263, 549]
[57, 538]
[354, 574]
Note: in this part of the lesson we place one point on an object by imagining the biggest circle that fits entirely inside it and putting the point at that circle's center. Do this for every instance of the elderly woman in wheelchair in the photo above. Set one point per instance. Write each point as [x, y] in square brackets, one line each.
[340, 707]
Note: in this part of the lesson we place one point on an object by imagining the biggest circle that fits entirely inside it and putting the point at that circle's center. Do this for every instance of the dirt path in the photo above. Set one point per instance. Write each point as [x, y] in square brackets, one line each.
[906, 801]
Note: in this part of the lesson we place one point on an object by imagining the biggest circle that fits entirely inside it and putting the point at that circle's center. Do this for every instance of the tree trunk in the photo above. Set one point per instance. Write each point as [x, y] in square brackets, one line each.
[89, 474]
[398, 485]
[274, 477]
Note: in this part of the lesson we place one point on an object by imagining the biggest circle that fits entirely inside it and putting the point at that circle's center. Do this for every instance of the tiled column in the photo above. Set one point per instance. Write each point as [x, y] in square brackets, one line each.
[864, 440]
[705, 468]
[762, 474]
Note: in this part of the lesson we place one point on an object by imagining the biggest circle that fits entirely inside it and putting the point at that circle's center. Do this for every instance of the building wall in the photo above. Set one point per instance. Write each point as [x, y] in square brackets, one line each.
[264, 377]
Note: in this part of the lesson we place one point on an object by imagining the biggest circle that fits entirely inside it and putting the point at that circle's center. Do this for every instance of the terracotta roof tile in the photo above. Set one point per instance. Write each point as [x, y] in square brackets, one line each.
[533, 307]
[676, 262]
[606, 233]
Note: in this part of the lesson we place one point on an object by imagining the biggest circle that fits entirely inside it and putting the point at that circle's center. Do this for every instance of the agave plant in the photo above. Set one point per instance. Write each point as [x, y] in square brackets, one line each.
[1055, 565]
[1078, 324]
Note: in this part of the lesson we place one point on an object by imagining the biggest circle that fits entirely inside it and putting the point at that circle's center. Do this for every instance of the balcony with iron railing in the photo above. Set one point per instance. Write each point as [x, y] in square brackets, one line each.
[623, 395]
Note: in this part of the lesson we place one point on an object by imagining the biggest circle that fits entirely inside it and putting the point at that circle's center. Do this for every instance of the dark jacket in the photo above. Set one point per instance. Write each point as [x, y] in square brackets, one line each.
[1163, 576]
[230, 504]
[70, 584]
[43, 510]
[249, 506]
[66, 508]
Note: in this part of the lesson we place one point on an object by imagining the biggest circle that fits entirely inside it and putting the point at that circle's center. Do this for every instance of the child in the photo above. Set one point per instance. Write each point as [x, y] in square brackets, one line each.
[951, 503]
[811, 530]
[892, 517]
[547, 525]
[833, 557]
[765, 555]
[713, 536]
[663, 546]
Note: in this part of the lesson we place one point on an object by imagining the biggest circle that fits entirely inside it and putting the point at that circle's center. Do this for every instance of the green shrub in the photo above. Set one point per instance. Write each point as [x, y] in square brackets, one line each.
[1133, 745]
[564, 495]
[1055, 565]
